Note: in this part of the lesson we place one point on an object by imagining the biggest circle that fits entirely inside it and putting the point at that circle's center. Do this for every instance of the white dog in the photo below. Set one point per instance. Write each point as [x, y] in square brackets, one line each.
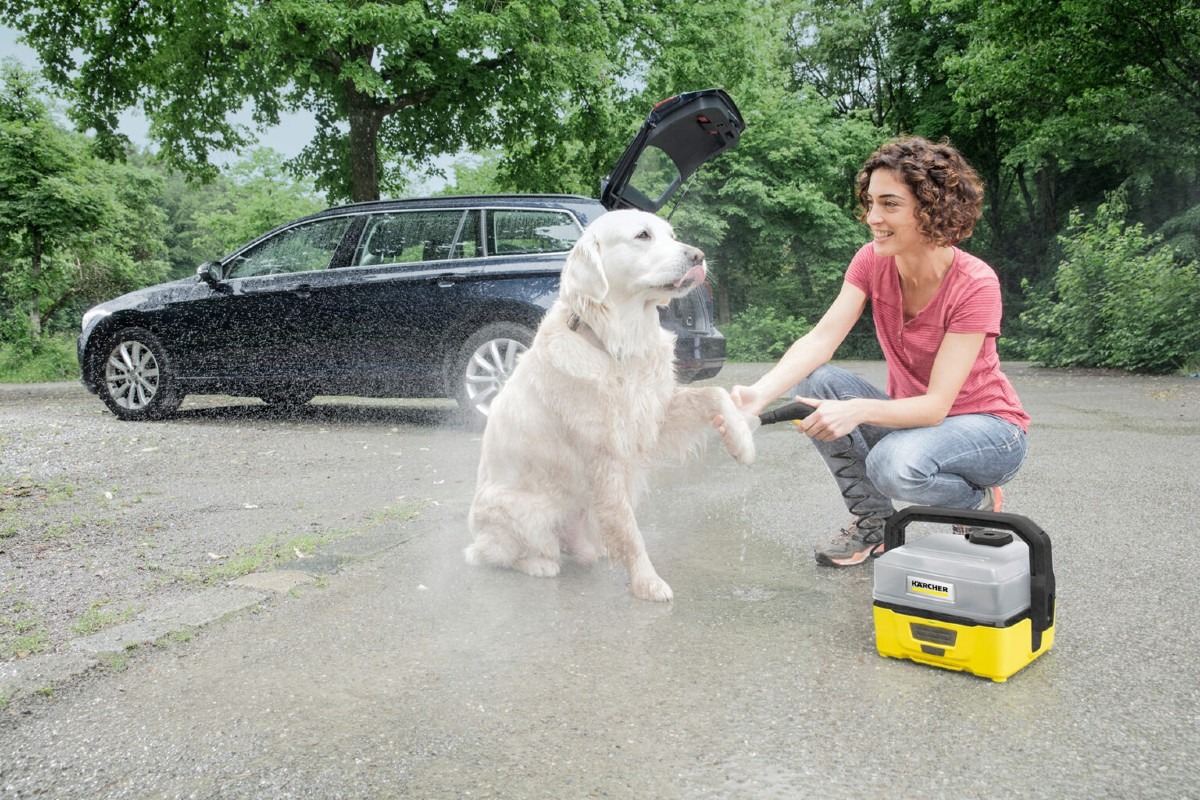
[591, 406]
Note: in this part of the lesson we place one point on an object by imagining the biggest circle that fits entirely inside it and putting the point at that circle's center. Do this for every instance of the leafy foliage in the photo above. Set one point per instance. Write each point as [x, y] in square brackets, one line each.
[52, 358]
[1057, 103]
[75, 226]
[389, 83]
[1119, 299]
[76, 230]
[256, 196]
[761, 334]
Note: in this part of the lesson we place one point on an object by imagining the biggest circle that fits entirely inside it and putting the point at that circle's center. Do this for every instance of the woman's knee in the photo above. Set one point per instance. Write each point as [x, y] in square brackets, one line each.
[895, 471]
[824, 383]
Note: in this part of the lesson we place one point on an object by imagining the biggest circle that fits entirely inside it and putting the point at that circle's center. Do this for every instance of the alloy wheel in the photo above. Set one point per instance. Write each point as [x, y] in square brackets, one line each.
[489, 367]
[132, 375]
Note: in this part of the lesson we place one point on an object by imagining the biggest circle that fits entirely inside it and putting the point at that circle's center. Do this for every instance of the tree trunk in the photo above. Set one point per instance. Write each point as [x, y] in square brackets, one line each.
[35, 279]
[365, 119]
[1047, 196]
[722, 303]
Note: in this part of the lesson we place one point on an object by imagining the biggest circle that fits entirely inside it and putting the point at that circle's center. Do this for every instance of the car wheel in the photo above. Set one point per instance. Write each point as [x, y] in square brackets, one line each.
[139, 383]
[484, 365]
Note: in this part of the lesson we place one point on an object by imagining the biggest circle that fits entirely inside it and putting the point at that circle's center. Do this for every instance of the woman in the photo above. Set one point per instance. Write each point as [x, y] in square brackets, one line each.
[950, 430]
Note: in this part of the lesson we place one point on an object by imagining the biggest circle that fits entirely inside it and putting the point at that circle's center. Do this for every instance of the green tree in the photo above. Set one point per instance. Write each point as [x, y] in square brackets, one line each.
[1083, 94]
[775, 215]
[477, 174]
[875, 58]
[389, 82]
[76, 230]
[1119, 299]
[46, 199]
[254, 195]
[126, 251]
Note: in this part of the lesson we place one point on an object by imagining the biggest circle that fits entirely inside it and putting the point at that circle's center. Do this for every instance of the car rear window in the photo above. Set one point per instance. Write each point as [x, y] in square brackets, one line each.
[525, 232]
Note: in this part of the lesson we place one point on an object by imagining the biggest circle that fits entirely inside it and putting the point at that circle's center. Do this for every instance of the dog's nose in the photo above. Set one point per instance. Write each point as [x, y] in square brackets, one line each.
[697, 255]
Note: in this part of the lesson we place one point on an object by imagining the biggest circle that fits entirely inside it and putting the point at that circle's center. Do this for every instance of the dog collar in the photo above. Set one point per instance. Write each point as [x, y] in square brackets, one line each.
[574, 322]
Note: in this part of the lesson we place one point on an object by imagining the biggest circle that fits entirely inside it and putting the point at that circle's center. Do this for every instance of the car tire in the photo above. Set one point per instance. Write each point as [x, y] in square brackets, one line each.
[484, 364]
[138, 380]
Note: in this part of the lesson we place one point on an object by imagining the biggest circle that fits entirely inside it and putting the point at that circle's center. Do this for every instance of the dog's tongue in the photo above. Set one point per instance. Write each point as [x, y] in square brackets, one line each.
[694, 276]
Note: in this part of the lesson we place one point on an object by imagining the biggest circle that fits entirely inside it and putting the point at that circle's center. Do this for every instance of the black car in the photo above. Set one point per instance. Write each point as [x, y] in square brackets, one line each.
[410, 298]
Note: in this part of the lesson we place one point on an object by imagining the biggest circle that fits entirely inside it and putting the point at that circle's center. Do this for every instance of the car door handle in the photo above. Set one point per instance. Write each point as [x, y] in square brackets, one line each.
[447, 281]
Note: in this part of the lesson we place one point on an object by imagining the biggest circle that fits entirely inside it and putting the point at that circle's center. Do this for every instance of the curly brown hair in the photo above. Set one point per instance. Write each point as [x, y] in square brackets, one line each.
[948, 191]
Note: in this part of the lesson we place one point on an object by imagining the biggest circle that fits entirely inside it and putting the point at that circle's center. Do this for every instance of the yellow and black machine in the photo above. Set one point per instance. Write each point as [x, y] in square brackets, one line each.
[981, 603]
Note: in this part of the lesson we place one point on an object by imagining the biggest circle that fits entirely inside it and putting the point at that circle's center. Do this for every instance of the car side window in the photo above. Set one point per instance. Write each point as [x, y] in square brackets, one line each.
[302, 248]
[520, 232]
[410, 237]
[470, 238]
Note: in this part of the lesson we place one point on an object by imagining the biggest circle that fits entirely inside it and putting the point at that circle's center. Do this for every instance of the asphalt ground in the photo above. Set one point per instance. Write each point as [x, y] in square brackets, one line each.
[386, 667]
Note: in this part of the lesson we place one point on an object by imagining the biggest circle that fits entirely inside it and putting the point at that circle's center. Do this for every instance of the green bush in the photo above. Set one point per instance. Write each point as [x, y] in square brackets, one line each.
[760, 334]
[1119, 299]
[52, 358]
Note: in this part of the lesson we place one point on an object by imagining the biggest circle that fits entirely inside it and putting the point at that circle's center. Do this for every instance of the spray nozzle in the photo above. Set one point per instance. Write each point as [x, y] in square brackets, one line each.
[786, 413]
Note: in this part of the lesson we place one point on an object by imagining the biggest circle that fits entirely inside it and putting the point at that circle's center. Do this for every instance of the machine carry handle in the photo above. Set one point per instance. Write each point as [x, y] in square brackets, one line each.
[1041, 569]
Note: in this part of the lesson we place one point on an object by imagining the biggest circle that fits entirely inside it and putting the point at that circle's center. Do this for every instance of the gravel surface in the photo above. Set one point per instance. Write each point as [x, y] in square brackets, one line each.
[393, 669]
[101, 520]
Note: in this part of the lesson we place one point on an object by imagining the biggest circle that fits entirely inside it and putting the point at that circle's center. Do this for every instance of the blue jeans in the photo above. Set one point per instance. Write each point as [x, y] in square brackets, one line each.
[949, 464]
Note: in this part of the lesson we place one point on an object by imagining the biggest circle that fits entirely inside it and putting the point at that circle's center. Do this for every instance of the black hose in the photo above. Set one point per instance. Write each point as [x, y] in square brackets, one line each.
[792, 411]
[852, 494]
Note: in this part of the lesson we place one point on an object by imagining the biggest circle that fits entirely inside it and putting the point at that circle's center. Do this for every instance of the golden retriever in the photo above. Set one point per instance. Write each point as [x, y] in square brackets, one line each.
[592, 406]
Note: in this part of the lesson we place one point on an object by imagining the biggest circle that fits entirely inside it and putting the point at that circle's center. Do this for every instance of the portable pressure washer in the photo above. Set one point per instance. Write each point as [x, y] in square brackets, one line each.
[981, 603]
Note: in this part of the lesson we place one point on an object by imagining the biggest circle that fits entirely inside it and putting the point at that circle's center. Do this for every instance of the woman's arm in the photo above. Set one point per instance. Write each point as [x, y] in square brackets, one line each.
[807, 353]
[955, 357]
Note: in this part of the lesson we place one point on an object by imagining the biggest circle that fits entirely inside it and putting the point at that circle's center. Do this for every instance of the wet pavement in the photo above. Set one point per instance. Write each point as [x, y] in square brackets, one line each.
[409, 674]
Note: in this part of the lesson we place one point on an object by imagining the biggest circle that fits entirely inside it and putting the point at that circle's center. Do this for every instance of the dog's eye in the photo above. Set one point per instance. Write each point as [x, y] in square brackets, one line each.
[644, 234]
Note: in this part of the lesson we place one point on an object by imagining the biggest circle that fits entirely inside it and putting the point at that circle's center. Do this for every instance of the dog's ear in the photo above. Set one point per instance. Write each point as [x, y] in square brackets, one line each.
[583, 279]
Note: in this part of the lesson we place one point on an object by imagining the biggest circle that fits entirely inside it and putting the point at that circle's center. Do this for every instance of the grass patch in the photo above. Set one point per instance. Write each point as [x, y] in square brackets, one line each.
[275, 549]
[174, 637]
[27, 645]
[23, 490]
[269, 551]
[114, 662]
[96, 618]
[21, 634]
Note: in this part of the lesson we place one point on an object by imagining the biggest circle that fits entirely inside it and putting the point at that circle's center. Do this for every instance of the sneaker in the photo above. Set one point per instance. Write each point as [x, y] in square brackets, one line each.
[863, 539]
[993, 500]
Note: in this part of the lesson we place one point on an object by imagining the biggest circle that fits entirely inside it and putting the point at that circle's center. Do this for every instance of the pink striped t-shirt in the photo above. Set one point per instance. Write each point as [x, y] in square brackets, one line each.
[968, 301]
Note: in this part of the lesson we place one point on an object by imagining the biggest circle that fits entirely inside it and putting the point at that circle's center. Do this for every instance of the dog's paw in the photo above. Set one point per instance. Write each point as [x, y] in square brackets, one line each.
[537, 567]
[473, 555]
[651, 588]
[739, 438]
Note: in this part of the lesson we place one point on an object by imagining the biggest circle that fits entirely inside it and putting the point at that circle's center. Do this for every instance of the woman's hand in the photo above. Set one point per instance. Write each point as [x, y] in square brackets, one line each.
[749, 417]
[832, 419]
[747, 399]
